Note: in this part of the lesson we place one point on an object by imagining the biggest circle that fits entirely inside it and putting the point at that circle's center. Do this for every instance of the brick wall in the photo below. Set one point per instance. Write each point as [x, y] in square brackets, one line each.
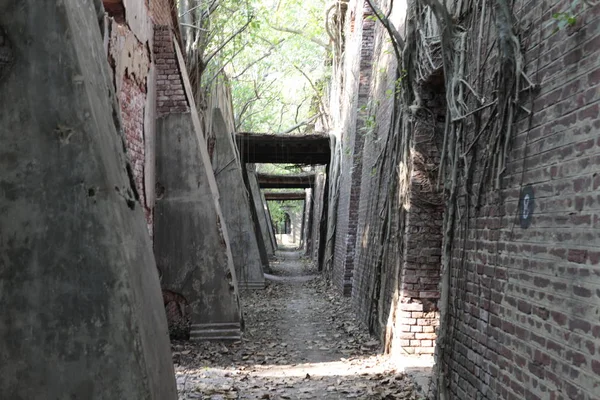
[524, 300]
[170, 93]
[422, 239]
[346, 137]
[352, 137]
[398, 265]
[132, 100]
[371, 283]
[528, 325]
[362, 129]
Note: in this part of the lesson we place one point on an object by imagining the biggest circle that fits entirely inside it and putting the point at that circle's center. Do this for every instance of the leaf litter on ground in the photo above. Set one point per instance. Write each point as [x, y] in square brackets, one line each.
[301, 341]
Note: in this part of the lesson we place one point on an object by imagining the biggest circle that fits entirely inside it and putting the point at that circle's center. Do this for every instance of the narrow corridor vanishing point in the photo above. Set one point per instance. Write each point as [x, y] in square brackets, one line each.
[301, 342]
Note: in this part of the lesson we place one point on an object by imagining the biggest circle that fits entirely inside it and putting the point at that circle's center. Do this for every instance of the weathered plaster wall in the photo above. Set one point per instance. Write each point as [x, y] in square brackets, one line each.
[317, 215]
[82, 315]
[235, 203]
[192, 242]
[129, 33]
[265, 232]
[191, 250]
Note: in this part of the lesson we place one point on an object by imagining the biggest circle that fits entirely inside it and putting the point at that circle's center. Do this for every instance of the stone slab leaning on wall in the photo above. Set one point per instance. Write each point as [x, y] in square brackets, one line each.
[82, 313]
[191, 242]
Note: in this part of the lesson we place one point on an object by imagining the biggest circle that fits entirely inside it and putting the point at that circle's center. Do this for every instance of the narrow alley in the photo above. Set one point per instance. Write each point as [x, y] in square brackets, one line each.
[301, 342]
[300, 199]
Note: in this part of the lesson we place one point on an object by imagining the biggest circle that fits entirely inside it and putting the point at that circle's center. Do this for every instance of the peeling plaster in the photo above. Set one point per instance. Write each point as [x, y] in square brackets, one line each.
[129, 55]
[137, 16]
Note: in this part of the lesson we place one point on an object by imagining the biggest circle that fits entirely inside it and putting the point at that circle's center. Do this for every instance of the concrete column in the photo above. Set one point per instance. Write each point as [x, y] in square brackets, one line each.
[262, 213]
[82, 315]
[189, 242]
[270, 227]
[254, 210]
[235, 205]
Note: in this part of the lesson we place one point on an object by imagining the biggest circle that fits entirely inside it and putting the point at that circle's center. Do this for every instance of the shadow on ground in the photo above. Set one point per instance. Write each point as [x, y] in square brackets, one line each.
[301, 342]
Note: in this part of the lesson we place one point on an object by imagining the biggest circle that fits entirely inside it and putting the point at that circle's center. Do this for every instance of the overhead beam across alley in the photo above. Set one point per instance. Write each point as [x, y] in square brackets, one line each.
[292, 149]
[289, 149]
[278, 196]
[298, 181]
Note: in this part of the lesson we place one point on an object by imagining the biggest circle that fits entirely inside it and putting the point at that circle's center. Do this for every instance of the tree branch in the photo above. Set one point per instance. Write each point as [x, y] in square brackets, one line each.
[218, 49]
[223, 66]
[211, 8]
[300, 33]
[192, 26]
[317, 93]
[267, 54]
[305, 122]
[393, 32]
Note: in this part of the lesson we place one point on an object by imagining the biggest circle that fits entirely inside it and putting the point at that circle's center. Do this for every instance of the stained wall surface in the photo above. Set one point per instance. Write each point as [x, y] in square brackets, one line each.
[82, 314]
[522, 295]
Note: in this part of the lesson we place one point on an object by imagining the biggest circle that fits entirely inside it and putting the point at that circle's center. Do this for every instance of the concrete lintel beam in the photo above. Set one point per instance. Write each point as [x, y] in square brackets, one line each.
[275, 196]
[300, 181]
[294, 149]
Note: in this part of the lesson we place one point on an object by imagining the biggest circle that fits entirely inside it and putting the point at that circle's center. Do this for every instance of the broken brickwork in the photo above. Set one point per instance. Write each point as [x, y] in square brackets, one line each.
[128, 38]
[140, 39]
[522, 298]
[356, 127]
[169, 87]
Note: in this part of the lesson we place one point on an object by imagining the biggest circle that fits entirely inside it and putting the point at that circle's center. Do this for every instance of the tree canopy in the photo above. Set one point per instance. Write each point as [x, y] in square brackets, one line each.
[273, 51]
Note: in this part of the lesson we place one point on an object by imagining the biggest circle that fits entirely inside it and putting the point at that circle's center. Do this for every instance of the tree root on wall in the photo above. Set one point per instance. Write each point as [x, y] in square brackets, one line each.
[474, 127]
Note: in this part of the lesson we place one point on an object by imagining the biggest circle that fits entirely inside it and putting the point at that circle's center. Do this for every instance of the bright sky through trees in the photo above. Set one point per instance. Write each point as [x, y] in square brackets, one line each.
[273, 51]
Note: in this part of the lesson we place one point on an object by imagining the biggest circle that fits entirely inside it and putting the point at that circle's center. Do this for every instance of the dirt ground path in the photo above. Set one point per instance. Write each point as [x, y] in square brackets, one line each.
[300, 342]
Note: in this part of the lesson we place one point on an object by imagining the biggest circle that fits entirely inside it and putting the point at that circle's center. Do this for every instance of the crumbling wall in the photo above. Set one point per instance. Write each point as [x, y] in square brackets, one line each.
[128, 35]
[524, 303]
[360, 29]
[139, 43]
[519, 252]
[81, 316]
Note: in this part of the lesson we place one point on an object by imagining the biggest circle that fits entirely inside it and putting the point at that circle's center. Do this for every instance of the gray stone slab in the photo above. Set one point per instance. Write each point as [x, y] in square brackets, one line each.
[235, 205]
[189, 243]
[254, 210]
[270, 228]
[82, 314]
[261, 212]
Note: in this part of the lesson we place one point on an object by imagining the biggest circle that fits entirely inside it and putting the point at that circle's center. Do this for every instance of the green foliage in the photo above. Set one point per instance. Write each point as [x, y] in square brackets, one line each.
[279, 169]
[564, 19]
[278, 209]
[567, 18]
[272, 50]
[277, 213]
[369, 123]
